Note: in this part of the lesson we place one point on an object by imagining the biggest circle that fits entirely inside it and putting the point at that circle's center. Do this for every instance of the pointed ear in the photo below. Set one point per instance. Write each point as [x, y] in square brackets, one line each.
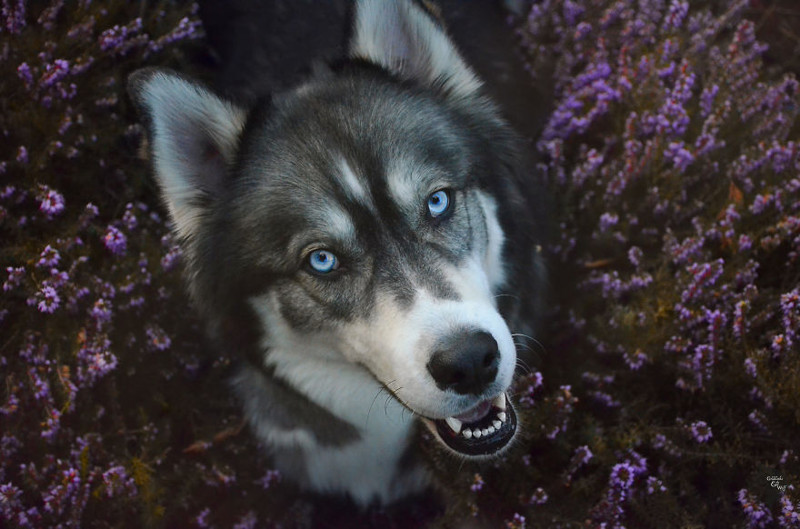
[193, 137]
[407, 41]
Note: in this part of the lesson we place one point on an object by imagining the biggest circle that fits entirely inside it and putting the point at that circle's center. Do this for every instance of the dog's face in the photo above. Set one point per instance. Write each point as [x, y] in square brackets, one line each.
[358, 210]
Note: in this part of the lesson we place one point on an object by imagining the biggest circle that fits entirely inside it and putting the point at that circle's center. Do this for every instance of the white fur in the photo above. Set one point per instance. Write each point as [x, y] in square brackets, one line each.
[403, 184]
[403, 39]
[493, 260]
[338, 223]
[352, 185]
[406, 178]
[365, 468]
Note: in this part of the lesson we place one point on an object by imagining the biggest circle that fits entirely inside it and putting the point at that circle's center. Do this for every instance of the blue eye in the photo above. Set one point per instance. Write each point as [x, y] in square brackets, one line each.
[438, 203]
[323, 261]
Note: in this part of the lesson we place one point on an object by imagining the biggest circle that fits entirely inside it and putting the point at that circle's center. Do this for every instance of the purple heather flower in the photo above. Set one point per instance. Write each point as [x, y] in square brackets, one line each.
[51, 201]
[10, 407]
[655, 485]
[157, 338]
[15, 276]
[118, 483]
[115, 241]
[25, 74]
[583, 455]
[678, 9]
[48, 300]
[14, 13]
[539, 497]
[790, 308]
[129, 217]
[248, 521]
[49, 257]
[758, 419]
[636, 359]
[750, 367]
[51, 426]
[477, 483]
[607, 221]
[517, 522]
[700, 431]
[638, 462]
[97, 363]
[572, 11]
[119, 40]
[635, 255]
[703, 275]
[605, 399]
[758, 514]
[580, 457]
[582, 30]
[22, 154]
[268, 479]
[680, 157]
[53, 73]
[185, 30]
[101, 311]
[660, 442]
[790, 513]
[171, 258]
[622, 476]
[202, 519]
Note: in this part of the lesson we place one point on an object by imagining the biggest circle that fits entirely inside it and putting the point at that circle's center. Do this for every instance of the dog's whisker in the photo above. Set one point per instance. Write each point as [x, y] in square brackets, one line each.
[524, 367]
[542, 348]
[382, 388]
[526, 346]
[513, 296]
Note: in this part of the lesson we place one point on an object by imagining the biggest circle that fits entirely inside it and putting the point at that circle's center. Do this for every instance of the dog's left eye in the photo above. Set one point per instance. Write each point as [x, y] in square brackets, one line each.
[323, 261]
[439, 203]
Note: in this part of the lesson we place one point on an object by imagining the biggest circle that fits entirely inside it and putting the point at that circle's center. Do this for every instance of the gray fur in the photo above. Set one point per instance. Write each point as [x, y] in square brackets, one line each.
[346, 162]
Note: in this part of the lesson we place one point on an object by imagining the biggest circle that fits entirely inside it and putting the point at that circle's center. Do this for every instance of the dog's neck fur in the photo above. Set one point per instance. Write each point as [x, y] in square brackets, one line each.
[357, 438]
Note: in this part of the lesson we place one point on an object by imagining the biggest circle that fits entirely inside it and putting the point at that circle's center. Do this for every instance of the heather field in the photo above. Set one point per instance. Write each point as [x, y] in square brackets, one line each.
[664, 390]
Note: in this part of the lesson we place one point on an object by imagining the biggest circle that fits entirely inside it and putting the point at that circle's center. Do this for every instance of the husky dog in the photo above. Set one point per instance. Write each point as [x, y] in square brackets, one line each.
[366, 241]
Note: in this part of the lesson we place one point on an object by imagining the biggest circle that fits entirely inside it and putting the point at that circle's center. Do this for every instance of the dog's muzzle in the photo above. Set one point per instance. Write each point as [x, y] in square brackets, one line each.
[484, 430]
[467, 364]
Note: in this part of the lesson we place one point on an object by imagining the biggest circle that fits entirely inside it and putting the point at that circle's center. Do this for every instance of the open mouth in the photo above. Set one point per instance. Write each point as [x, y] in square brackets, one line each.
[484, 430]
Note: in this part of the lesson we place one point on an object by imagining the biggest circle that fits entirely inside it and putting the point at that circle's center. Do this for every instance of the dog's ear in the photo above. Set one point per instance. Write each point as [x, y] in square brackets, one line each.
[193, 135]
[400, 36]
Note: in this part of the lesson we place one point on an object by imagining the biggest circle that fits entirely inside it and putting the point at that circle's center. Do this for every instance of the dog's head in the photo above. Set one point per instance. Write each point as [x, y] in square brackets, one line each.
[358, 215]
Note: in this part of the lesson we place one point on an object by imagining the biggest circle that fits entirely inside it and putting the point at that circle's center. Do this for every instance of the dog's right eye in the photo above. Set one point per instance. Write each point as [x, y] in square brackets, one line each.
[439, 203]
[323, 261]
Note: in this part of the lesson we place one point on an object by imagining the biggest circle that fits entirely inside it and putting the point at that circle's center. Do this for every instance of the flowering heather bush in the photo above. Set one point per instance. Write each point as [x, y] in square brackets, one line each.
[97, 349]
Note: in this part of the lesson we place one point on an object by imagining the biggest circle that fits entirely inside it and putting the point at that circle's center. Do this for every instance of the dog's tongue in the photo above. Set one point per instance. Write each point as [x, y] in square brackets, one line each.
[477, 413]
[483, 430]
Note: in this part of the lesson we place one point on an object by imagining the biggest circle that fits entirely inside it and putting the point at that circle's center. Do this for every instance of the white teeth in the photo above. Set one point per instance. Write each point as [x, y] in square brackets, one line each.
[477, 433]
[500, 402]
[491, 430]
[485, 431]
[497, 424]
[502, 416]
[468, 433]
[454, 424]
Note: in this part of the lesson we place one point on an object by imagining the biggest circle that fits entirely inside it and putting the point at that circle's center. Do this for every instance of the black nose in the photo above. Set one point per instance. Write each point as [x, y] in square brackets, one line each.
[467, 364]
